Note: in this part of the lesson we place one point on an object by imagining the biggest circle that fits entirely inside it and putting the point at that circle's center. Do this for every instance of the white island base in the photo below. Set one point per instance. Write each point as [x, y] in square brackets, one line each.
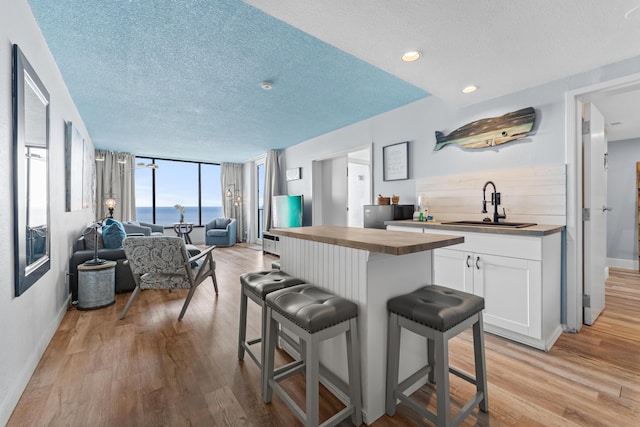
[370, 279]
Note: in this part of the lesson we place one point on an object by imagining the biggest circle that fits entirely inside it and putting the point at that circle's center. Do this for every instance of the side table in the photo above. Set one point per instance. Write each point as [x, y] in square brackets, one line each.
[182, 230]
[96, 285]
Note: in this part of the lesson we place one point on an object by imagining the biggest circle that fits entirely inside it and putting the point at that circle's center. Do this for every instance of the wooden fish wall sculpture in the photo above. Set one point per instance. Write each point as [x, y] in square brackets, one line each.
[490, 132]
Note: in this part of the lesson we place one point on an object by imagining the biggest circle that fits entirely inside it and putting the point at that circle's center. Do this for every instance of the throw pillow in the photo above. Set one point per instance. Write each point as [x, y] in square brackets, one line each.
[89, 237]
[222, 222]
[113, 234]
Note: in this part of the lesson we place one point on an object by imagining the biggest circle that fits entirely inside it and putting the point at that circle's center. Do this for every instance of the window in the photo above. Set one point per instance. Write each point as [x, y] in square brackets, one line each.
[161, 184]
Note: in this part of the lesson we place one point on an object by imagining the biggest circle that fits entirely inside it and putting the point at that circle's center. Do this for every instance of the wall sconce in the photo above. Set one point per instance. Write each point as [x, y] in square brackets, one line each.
[110, 202]
[237, 198]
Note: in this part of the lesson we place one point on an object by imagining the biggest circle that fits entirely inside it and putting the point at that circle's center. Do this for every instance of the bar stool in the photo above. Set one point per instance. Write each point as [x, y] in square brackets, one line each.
[437, 313]
[256, 286]
[314, 315]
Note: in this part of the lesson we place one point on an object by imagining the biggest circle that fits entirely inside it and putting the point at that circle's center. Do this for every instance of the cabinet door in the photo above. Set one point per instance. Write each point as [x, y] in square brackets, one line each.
[453, 269]
[511, 288]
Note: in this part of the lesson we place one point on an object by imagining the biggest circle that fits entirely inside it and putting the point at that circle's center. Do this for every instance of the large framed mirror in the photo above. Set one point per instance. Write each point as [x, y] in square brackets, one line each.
[30, 174]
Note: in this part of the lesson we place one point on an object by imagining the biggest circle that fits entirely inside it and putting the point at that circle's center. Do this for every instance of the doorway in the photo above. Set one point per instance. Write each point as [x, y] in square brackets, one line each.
[575, 187]
[341, 185]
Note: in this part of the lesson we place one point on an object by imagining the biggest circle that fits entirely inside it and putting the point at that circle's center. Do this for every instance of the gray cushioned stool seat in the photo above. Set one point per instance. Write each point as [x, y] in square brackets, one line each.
[262, 283]
[313, 315]
[438, 314]
[436, 306]
[311, 308]
[255, 286]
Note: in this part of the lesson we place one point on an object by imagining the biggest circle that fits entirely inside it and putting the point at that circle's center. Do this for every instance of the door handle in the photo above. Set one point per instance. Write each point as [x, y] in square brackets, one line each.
[468, 259]
[477, 260]
[606, 208]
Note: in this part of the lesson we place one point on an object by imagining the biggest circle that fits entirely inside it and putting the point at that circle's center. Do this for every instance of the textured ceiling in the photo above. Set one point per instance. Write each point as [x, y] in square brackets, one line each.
[181, 79]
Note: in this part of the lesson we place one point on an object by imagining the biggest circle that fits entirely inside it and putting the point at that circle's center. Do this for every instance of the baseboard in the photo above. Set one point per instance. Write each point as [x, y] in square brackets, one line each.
[628, 264]
[22, 379]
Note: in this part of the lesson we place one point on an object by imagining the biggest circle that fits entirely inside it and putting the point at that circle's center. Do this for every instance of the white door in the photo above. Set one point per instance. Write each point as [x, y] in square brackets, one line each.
[595, 227]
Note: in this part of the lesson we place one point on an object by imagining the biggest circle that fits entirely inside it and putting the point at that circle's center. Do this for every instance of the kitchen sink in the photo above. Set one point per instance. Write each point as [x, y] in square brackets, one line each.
[491, 224]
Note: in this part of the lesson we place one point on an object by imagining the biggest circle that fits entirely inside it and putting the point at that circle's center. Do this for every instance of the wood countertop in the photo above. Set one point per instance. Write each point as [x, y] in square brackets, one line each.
[371, 239]
[534, 230]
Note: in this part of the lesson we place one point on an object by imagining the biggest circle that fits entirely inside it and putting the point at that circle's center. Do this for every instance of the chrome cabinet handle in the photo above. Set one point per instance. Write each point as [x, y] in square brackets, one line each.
[468, 259]
[606, 208]
[477, 260]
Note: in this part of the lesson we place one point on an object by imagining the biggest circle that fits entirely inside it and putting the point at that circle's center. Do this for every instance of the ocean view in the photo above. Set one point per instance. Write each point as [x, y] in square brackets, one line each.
[168, 215]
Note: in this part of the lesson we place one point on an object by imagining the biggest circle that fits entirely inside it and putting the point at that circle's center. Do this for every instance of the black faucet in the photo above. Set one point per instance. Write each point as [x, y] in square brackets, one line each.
[495, 201]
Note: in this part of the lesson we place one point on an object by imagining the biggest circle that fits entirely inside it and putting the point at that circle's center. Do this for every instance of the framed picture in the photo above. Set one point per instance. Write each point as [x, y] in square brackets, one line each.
[74, 167]
[395, 160]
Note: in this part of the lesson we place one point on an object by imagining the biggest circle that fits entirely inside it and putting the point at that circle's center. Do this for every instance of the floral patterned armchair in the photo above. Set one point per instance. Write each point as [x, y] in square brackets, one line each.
[160, 262]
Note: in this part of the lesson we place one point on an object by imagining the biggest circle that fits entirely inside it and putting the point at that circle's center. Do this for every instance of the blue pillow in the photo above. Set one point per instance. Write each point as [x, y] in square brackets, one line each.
[113, 234]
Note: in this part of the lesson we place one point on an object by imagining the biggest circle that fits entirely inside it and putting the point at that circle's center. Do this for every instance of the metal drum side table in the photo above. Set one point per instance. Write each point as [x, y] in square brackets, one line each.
[96, 285]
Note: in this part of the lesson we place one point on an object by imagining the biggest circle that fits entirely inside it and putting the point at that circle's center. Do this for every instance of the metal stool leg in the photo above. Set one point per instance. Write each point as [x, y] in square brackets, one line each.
[442, 380]
[393, 363]
[480, 363]
[312, 381]
[269, 341]
[353, 359]
[242, 333]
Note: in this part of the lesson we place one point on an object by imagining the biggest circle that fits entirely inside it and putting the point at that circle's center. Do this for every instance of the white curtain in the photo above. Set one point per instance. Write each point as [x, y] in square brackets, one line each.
[271, 184]
[115, 177]
[231, 183]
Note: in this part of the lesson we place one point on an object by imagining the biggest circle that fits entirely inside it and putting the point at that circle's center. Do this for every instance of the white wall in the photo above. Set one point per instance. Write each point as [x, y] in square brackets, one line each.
[29, 321]
[622, 221]
[417, 123]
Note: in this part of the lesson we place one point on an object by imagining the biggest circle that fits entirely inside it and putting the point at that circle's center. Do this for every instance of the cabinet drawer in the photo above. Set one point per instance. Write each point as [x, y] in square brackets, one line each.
[497, 244]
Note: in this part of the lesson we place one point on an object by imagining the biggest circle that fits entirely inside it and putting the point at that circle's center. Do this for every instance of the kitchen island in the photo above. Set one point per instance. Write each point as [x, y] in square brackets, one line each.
[367, 266]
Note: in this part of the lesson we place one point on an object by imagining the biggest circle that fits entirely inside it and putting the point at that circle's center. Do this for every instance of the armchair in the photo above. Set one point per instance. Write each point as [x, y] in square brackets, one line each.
[220, 232]
[144, 228]
[159, 262]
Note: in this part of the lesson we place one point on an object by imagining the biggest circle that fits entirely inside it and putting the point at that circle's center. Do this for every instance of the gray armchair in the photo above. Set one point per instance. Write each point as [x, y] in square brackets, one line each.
[220, 232]
[144, 228]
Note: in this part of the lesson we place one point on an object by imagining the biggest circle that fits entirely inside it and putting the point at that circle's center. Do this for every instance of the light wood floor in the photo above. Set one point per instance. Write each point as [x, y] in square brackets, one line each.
[151, 370]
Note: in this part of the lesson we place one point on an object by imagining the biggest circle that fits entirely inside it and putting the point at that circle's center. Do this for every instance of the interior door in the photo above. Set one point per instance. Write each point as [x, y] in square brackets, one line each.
[594, 219]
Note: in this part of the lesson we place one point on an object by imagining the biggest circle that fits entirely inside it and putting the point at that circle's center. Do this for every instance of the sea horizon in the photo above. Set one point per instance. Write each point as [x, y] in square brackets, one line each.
[168, 215]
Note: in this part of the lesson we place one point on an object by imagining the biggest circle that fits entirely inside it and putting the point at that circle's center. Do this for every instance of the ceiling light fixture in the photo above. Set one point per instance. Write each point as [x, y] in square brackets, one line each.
[410, 56]
[266, 85]
[470, 89]
[632, 13]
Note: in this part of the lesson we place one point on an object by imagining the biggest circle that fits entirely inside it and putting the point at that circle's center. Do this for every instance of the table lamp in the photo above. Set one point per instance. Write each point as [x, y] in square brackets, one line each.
[95, 260]
[110, 202]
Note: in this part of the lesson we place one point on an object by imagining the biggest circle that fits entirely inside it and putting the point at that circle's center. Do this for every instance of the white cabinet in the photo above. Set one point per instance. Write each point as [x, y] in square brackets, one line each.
[454, 269]
[518, 276]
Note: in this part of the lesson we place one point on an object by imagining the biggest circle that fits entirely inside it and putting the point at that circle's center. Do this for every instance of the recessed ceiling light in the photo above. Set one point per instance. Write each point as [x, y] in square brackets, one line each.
[266, 85]
[470, 89]
[412, 55]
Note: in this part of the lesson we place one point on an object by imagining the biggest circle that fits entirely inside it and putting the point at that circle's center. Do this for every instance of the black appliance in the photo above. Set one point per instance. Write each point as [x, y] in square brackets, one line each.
[376, 215]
